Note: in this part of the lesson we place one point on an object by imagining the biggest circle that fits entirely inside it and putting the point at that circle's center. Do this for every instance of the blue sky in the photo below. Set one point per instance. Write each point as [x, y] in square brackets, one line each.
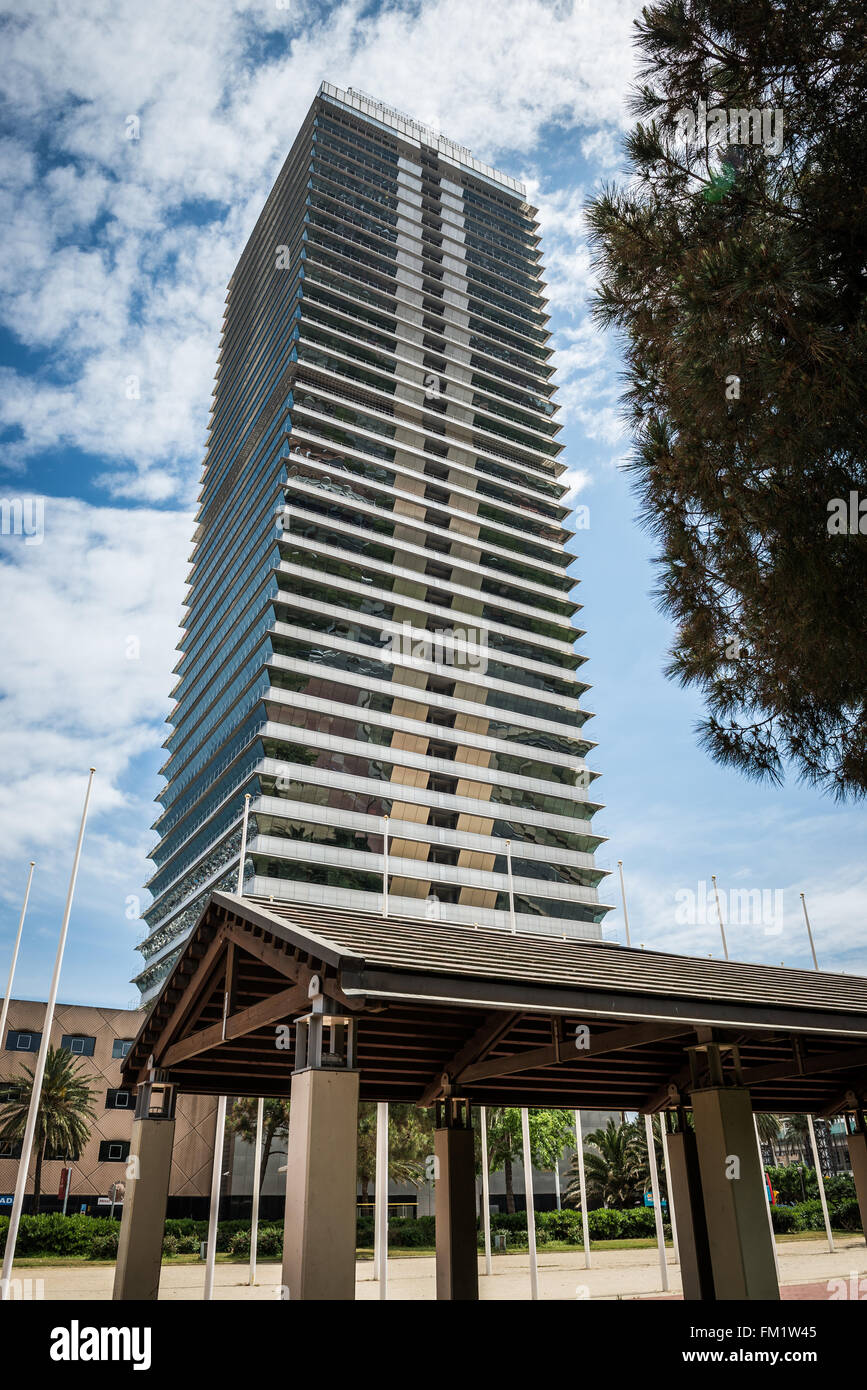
[111, 293]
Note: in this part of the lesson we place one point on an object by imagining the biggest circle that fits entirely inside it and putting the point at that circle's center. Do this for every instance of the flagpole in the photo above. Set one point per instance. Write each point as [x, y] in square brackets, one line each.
[657, 1204]
[809, 932]
[216, 1183]
[623, 896]
[486, 1187]
[39, 1072]
[385, 868]
[257, 1163]
[243, 845]
[582, 1187]
[722, 929]
[8, 996]
[512, 925]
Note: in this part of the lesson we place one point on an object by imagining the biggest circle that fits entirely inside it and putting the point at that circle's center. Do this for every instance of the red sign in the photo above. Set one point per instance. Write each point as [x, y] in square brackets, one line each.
[64, 1183]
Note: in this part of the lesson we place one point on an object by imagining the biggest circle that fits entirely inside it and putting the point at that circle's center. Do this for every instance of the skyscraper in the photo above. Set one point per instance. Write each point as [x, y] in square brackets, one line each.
[379, 613]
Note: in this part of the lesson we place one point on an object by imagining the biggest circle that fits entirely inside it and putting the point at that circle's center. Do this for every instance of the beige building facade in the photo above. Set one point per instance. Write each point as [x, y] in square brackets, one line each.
[100, 1038]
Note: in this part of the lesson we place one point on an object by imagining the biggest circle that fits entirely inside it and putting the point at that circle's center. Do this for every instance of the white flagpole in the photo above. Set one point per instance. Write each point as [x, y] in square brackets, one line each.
[767, 1199]
[257, 1164]
[486, 1188]
[39, 1072]
[809, 932]
[557, 1185]
[8, 996]
[820, 1180]
[657, 1205]
[216, 1183]
[385, 867]
[243, 846]
[528, 1197]
[585, 1224]
[512, 925]
[671, 1216]
[380, 1218]
[722, 929]
[623, 896]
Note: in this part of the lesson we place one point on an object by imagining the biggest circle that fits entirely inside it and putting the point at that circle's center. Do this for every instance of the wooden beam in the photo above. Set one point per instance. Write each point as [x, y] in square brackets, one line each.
[289, 966]
[614, 1040]
[805, 1066]
[494, 1028]
[272, 1010]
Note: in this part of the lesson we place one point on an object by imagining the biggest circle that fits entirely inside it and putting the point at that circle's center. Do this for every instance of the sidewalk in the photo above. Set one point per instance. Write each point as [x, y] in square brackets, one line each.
[806, 1268]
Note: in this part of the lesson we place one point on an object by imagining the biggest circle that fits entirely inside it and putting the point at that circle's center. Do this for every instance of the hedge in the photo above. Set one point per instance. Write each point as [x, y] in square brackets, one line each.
[96, 1237]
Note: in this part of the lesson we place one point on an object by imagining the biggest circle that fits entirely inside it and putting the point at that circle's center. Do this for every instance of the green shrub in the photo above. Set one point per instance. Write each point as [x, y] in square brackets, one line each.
[270, 1241]
[239, 1243]
[170, 1244]
[104, 1246]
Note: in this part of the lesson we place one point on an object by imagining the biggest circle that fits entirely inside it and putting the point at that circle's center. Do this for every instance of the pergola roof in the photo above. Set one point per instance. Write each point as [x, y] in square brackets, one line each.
[493, 1015]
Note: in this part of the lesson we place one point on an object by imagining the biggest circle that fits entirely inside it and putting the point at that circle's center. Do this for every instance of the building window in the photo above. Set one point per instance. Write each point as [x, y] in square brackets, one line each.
[79, 1044]
[10, 1148]
[121, 1046]
[61, 1155]
[22, 1042]
[113, 1150]
[118, 1100]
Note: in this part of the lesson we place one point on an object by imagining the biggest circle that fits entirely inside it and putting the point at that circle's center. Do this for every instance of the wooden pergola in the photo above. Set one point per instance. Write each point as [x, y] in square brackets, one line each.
[398, 1009]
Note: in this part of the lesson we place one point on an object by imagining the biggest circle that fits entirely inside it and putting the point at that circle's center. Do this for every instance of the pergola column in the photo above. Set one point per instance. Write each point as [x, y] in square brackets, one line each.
[696, 1270]
[457, 1261]
[321, 1164]
[140, 1246]
[857, 1143]
[735, 1200]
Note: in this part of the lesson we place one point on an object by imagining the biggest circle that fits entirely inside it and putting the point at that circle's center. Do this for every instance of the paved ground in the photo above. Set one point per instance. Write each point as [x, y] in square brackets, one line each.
[807, 1271]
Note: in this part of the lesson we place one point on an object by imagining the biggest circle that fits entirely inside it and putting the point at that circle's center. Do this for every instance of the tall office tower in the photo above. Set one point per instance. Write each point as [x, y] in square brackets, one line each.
[379, 614]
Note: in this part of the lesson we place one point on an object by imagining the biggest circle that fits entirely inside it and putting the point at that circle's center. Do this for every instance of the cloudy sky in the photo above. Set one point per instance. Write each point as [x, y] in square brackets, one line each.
[111, 288]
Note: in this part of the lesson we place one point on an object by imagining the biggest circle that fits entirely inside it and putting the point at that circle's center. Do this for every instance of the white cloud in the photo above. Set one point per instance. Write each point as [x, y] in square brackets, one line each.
[101, 273]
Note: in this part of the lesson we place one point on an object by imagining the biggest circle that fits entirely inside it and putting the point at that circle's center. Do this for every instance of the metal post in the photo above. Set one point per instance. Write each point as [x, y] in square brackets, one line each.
[809, 932]
[623, 896]
[512, 925]
[385, 867]
[820, 1180]
[528, 1197]
[5, 1010]
[582, 1186]
[557, 1186]
[767, 1199]
[243, 846]
[719, 915]
[380, 1221]
[39, 1070]
[257, 1164]
[657, 1205]
[486, 1188]
[68, 1184]
[216, 1183]
[671, 1215]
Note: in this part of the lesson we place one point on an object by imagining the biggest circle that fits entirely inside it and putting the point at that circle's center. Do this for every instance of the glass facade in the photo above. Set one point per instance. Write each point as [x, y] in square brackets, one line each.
[379, 616]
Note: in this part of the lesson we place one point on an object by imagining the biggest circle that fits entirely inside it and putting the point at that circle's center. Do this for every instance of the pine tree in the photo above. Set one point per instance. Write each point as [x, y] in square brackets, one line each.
[737, 273]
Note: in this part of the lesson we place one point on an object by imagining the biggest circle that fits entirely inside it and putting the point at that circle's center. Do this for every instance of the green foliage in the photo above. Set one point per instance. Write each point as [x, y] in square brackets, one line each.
[736, 274]
[615, 1164]
[65, 1110]
[242, 1120]
[410, 1140]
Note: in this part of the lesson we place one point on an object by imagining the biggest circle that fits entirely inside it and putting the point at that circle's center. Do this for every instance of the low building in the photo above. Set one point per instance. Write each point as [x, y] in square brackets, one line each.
[101, 1038]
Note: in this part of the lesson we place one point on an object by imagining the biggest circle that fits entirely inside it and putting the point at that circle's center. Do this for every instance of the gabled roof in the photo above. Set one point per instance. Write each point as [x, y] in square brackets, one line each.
[424, 990]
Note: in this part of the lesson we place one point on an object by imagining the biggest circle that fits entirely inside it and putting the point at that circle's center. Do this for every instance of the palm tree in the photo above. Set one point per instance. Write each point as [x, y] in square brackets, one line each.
[64, 1114]
[275, 1125]
[769, 1128]
[615, 1164]
[797, 1133]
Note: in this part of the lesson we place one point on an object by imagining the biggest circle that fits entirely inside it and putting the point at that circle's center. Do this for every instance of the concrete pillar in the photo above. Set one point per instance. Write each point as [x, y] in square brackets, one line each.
[739, 1239]
[140, 1247]
[858, 1158]
[457, 1261]
[696, 1271]
[321, 1166]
